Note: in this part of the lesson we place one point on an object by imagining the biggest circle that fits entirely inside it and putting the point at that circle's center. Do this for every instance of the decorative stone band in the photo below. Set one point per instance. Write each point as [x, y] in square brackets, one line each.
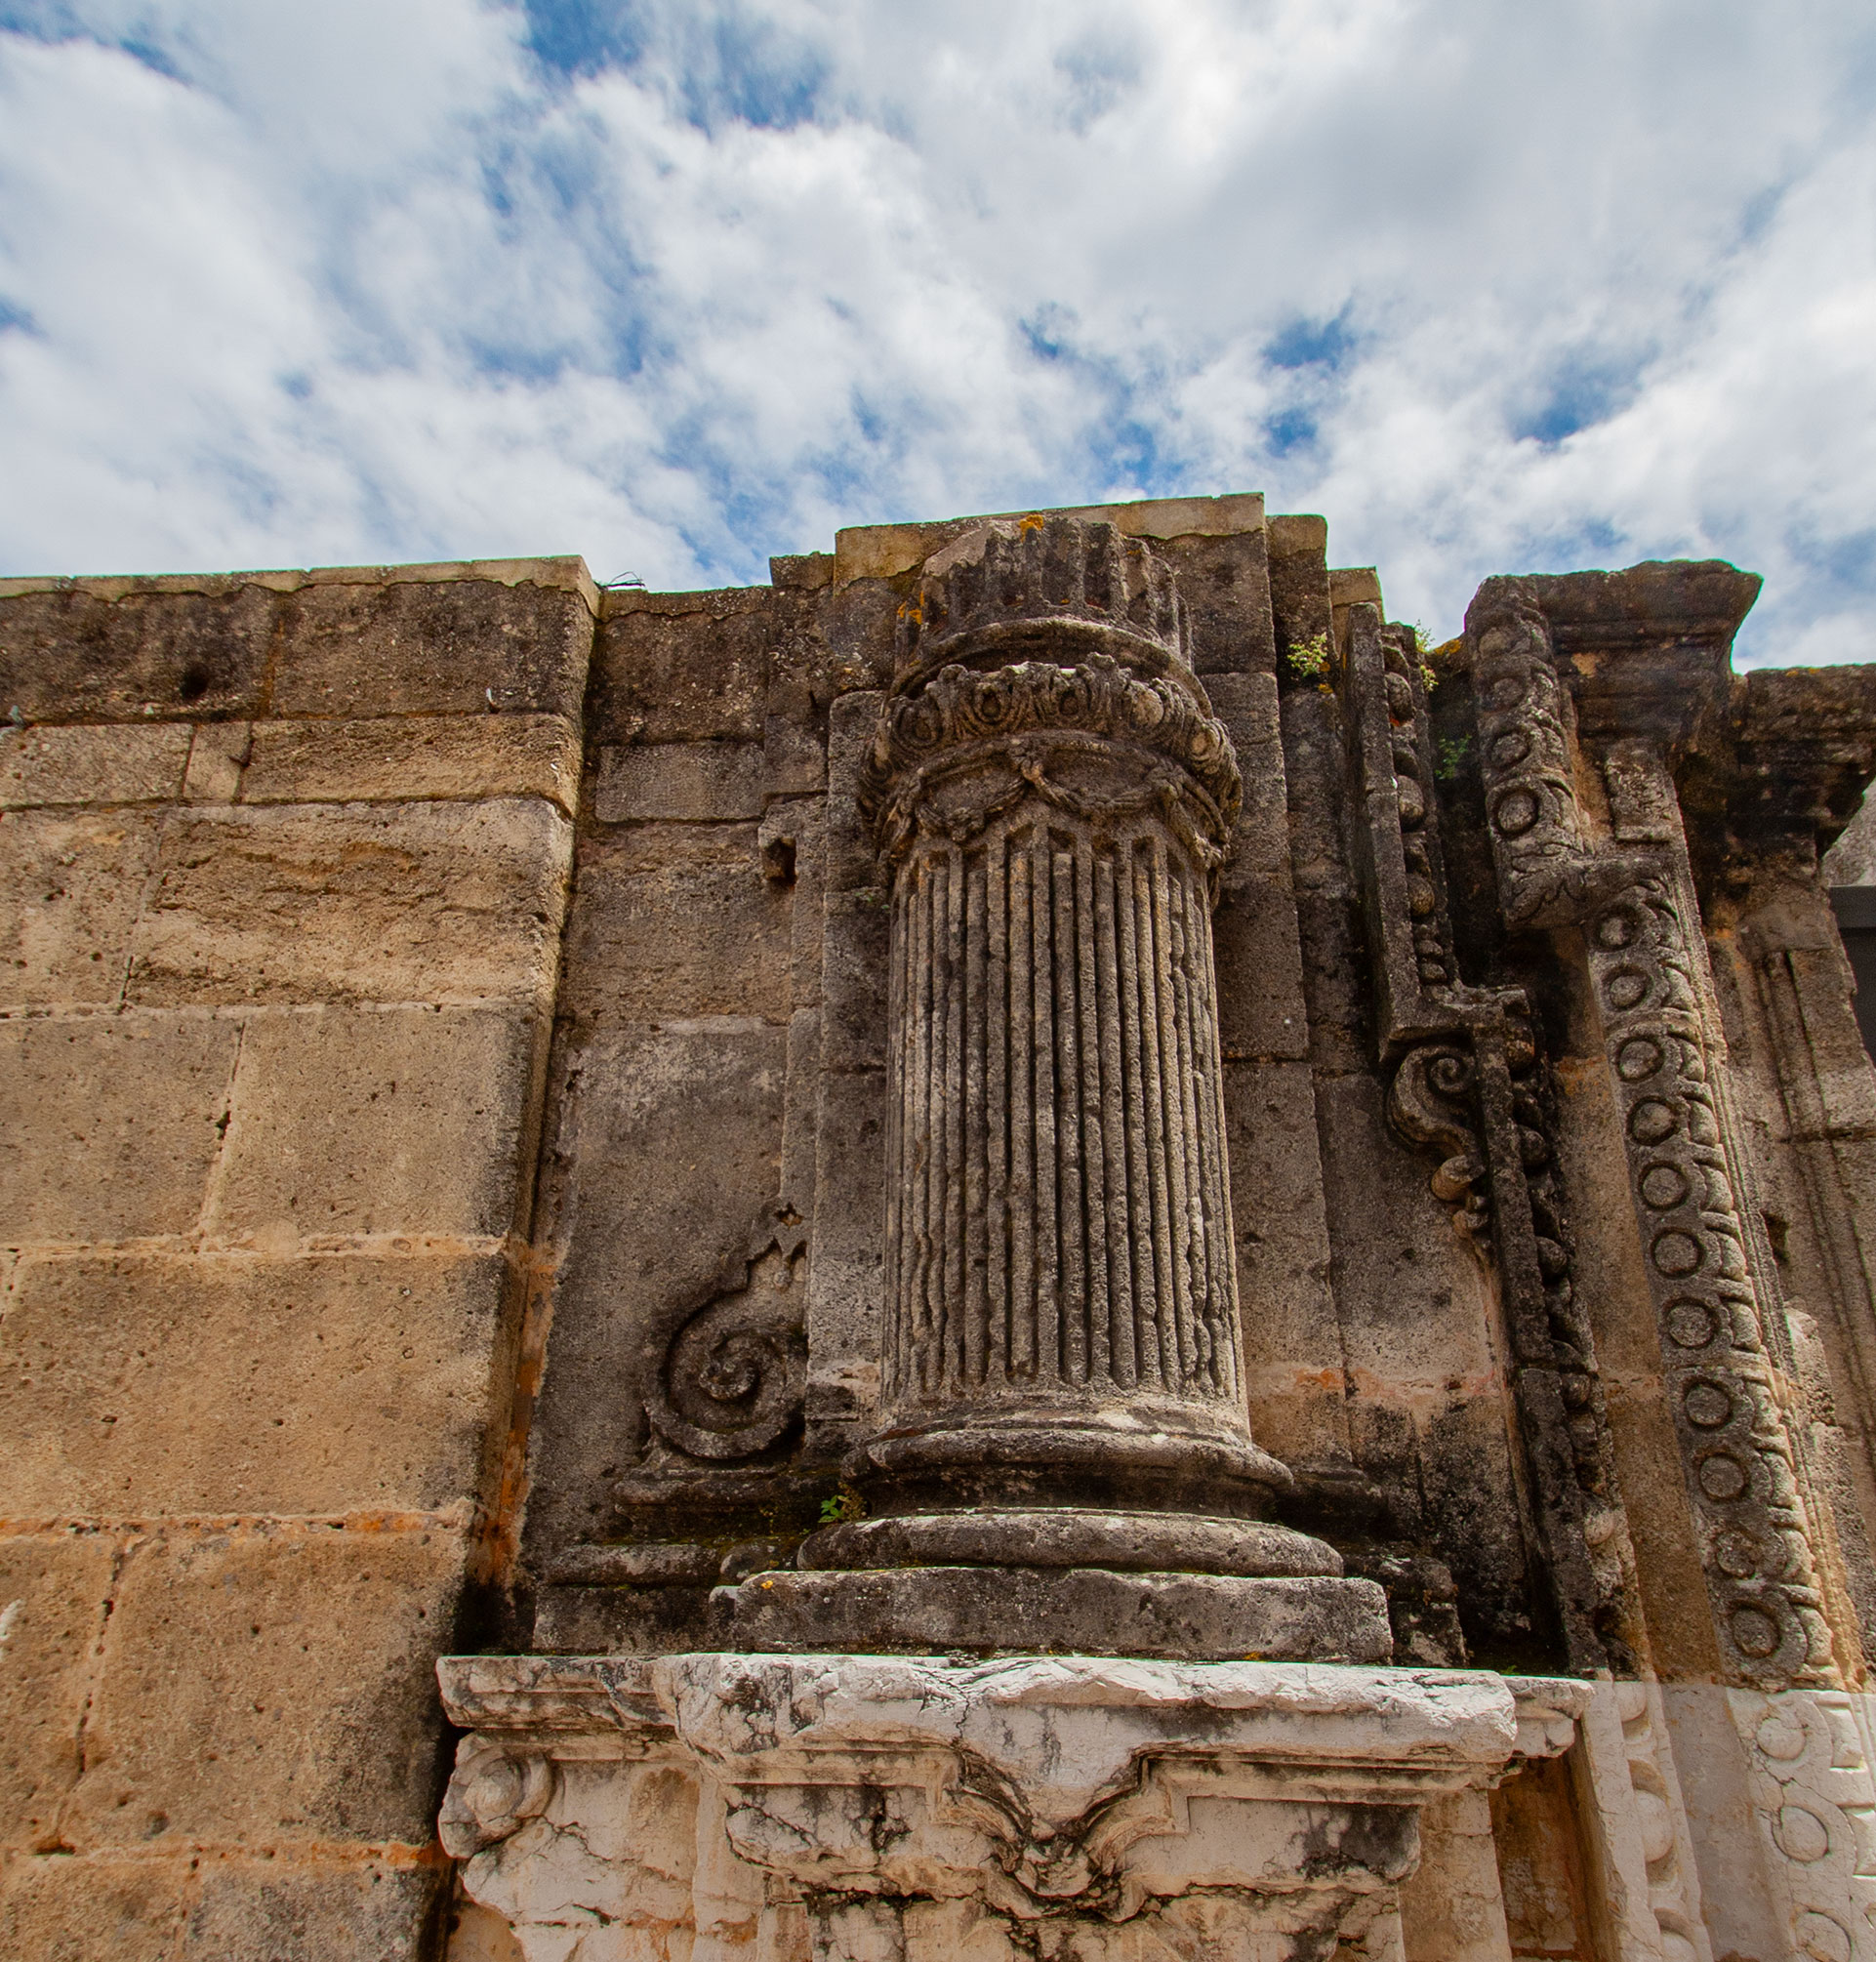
[1646, 969]
[922, 1809]
[1469, 1087]
[1645, 974]
[968, 747]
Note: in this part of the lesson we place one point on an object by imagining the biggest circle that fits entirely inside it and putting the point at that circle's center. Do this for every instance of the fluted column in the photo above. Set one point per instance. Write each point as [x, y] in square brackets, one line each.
[1054, 796]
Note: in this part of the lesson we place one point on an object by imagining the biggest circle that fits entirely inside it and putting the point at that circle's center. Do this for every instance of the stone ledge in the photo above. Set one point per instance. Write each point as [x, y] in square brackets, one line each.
[920, 1806]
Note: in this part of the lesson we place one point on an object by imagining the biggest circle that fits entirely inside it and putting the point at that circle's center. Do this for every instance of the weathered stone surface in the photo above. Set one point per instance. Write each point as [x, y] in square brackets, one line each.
[323, 902]
[57, 1908]
[667, 1154]
[681, 782]
[930, 1810]
[250, 1911]
[392, 758]
[114, 1124]
[138, 763]
[268, 1684]
[1293, 1357]
[348, 1120]
[134, 1386]
[1070, 1536]
[70, 895]
[1074, 1610]
[106, 650]
[287, 795]
[218, 754]
[677, 921]
[683, 667]
[55, 1588]
[386, 647]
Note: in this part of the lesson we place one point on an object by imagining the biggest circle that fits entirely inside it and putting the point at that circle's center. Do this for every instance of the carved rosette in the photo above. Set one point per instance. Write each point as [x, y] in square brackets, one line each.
[1053, 794]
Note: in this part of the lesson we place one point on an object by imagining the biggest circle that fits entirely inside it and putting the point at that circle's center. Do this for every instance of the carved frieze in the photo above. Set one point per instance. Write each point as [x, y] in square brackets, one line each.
[1631, 897]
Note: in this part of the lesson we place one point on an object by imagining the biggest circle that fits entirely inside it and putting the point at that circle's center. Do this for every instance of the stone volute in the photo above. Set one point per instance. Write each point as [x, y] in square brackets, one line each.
[1064, 1427]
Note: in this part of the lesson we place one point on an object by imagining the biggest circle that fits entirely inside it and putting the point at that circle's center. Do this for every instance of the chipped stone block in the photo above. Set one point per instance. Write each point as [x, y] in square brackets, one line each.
[217, 755]
[676, 919]
[53, 1592]
[306, 1711]
[231, 1384]
[679, 783]
[250, 1911]
[112, 1122]
[396, 902]
[123, 763]
[388, 646]
[407, 757]
[71, 887]
[395, 1121]
[94, 650]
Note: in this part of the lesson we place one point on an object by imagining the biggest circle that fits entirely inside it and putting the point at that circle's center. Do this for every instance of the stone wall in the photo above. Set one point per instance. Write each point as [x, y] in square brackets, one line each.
[447, 1211]
[285, 863]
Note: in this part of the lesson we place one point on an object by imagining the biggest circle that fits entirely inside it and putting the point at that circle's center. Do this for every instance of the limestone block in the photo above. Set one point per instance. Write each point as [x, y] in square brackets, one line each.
[684, 783]
[350, 1120]
[1846, 1086]
[855, 960]
[1077, 1610]
[217, 755]
[71, 890]
[845, 1274]
[109, 650]
[390, 757]
[269, 1684]
[235, 1384]
[1293, 1337]
[1453, 1909]
[250, 1911]
[114, 764]
[53, 1594]
[1225, 581]
[316, 902]
[388, 646]
[59, 1909]
[668, 1145]
[683, 667]
[112, 1122]
[677, 921]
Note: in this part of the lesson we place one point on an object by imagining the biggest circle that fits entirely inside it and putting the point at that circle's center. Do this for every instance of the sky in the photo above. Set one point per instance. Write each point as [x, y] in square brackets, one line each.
[1496, 286]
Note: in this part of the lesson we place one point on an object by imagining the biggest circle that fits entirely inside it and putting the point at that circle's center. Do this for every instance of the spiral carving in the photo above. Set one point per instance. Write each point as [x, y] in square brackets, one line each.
[733, 1374]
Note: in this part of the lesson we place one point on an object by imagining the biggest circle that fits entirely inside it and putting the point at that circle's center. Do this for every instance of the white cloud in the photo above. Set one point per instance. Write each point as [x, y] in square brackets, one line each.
[1491, 287]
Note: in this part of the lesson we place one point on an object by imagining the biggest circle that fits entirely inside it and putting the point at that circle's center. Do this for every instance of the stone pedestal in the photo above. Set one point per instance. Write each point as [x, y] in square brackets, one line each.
[916, 1809]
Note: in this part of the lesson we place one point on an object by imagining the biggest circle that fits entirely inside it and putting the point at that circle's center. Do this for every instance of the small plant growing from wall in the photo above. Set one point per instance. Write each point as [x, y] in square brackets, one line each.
[1310, 657]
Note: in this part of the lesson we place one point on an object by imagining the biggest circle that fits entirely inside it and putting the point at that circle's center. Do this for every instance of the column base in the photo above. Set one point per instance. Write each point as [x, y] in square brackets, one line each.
[1065, 1610]
[922, 1809]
